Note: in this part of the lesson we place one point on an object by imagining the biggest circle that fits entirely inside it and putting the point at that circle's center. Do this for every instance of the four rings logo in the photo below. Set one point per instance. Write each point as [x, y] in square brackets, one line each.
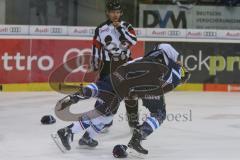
[56, 30]
[15, 29]
[174, 33]
[138, 32]
[210, 34]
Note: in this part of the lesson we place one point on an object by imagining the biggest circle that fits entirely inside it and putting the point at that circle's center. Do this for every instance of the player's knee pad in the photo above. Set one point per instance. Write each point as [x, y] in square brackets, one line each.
[91, 90]
[99, 123]
[102, 120]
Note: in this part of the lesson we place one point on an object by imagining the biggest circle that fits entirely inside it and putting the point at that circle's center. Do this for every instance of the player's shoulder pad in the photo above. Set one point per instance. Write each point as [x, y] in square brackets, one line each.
[102, 25]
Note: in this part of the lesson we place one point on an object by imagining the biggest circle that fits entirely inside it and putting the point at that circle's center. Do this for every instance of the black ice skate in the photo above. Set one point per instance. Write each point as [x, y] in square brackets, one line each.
[87, 142]
[65, 135]
[135, 142]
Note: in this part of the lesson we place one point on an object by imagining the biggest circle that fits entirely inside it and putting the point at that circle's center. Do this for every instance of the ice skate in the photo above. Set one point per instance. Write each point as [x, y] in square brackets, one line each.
[135, 143]
[87, 142]
[65, 136]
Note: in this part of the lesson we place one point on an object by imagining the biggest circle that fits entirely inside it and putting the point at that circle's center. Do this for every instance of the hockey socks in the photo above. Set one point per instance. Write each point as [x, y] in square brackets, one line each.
[149, 126]
[93, 125]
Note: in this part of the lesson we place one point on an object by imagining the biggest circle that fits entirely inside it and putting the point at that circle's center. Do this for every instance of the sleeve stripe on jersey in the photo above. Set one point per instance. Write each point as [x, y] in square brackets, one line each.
[127, 37]
[96, 43]
[94, 58]
[130, 38]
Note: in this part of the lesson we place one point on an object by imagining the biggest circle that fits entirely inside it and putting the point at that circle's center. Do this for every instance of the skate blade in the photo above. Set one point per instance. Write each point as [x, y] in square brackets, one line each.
[132, 154]
[56, 140]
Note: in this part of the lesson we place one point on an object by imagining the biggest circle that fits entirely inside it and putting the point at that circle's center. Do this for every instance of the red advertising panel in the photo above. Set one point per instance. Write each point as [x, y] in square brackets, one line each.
[13, 61]
[34, 60]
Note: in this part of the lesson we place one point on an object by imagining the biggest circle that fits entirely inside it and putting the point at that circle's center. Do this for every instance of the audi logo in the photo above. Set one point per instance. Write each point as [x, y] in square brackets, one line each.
[138, 32]
[56, 30]
[15, 29]
[91, 31]
[174, 33]
[210, 34]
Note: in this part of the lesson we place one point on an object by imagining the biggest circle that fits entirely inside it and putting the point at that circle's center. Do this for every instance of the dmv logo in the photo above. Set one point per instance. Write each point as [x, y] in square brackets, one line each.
[163, 21]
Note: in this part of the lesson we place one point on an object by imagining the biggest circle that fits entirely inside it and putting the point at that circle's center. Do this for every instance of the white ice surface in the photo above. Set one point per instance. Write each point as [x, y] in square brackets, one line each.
[211, 132]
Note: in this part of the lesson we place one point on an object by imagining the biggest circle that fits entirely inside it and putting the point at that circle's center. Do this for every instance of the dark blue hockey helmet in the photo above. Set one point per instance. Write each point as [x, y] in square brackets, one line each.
[48, 119]
[120, 151]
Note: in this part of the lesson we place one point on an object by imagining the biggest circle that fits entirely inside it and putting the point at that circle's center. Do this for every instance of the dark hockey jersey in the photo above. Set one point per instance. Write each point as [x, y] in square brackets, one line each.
[168, 56]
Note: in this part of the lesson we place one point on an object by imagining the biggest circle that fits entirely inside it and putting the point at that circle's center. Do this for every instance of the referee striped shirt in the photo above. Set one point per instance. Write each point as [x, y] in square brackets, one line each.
[109, 41]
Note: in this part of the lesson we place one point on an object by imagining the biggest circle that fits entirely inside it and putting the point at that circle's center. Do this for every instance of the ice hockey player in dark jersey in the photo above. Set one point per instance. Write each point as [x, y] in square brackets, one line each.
[176, 75]
[164, 54]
